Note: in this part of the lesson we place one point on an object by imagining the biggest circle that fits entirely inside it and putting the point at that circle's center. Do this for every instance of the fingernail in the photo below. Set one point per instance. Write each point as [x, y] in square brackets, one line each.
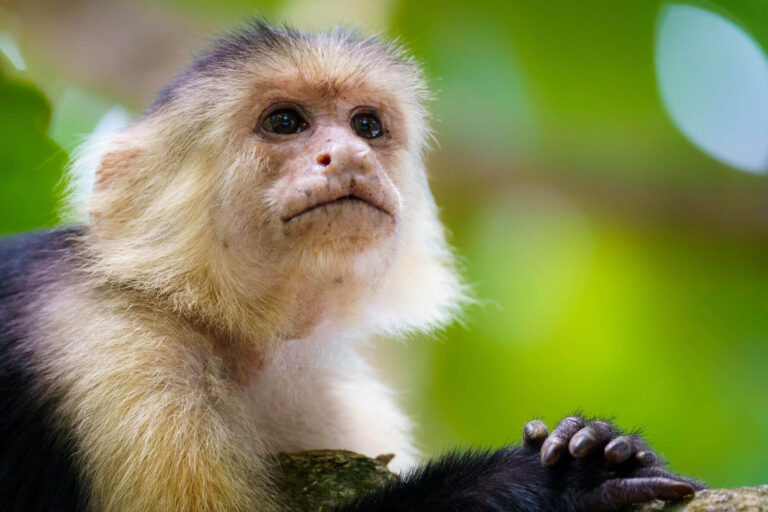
[535, 431]
[618, 450]
[580, 445]
[646, 458]
[683, 490]
[550, 452]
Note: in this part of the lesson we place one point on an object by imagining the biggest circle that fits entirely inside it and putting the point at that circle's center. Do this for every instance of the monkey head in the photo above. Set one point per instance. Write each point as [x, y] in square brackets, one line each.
[280, 169]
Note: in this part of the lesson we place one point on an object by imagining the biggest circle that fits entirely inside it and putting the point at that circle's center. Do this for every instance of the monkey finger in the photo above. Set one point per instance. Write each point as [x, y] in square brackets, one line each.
[590, 437]
[646, 458]
[620, 449]
[658, 471]
[617, 493]
[556, 443]
[652, 471]
[551, 450]
[535, 432]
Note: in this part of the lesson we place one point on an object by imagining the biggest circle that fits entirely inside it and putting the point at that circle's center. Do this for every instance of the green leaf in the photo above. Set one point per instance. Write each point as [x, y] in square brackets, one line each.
[32, 165]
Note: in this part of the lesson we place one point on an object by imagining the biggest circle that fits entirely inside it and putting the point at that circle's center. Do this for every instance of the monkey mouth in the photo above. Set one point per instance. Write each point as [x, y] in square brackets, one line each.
[340, 199]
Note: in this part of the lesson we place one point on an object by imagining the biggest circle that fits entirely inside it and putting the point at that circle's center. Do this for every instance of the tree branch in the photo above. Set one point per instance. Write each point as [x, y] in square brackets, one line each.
[318, 481]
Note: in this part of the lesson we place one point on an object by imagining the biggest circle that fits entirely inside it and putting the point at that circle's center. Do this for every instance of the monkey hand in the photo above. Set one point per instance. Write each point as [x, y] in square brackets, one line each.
[599, 468]
[583, 466]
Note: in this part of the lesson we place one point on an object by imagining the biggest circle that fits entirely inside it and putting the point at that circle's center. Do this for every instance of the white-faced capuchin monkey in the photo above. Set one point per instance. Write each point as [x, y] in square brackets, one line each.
[266, 216]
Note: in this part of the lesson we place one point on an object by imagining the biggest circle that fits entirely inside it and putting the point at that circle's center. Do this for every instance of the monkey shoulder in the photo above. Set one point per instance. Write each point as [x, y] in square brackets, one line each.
[37, 471]
[27, 260]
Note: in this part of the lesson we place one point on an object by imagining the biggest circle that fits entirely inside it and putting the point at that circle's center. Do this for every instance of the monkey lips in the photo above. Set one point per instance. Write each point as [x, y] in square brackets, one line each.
[360, 209]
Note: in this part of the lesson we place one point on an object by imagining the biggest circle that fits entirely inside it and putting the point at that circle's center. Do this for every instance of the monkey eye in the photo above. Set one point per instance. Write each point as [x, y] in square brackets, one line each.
[367, 125]
[285, 121]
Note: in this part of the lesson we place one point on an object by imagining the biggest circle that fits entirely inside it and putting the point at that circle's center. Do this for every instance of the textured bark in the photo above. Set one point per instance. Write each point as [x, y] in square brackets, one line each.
[752, 499]
[318, 481]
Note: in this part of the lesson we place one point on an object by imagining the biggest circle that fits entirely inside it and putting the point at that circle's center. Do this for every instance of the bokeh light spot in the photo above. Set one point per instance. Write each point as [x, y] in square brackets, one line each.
[713, 79]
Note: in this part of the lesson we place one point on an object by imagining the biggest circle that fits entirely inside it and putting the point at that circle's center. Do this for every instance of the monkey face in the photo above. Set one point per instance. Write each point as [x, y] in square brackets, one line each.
[331, 190]
[322, 172]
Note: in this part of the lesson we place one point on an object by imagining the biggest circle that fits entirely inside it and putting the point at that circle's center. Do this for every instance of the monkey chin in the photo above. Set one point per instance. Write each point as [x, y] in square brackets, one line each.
[345, 225]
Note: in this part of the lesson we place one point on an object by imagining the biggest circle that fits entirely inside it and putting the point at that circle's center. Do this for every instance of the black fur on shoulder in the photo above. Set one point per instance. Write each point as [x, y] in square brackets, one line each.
[37, 472]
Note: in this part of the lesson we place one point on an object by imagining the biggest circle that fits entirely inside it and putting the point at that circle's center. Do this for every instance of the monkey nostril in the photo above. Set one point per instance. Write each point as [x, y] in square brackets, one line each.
[324, 159]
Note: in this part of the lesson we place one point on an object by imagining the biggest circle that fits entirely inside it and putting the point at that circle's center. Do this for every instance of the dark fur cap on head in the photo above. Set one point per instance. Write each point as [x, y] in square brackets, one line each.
[260, 39]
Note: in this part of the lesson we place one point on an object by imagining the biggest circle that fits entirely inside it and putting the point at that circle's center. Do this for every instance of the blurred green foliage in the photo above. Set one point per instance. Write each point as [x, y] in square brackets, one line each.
[620, 270]
[31, 162]
[662, 330]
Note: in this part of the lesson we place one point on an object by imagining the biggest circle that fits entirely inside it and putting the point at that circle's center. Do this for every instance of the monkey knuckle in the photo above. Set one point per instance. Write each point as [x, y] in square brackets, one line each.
[571, 422]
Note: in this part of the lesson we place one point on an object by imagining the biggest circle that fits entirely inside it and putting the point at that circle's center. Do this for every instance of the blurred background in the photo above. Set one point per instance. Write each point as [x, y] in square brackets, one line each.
[602, 168]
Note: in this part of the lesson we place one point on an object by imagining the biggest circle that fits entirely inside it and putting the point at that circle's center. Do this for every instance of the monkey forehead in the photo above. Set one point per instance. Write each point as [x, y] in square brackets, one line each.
[320, 73]
[338, 71]
[316, 87]
[338, 63]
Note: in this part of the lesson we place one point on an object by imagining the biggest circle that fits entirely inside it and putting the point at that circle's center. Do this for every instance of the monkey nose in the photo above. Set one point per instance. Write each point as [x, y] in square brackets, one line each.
[345, 161]
[323, 159]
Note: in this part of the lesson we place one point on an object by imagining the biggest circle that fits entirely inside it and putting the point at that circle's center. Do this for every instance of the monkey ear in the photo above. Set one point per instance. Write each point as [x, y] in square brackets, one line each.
[96, 169]
[115, 186]
[113, 163]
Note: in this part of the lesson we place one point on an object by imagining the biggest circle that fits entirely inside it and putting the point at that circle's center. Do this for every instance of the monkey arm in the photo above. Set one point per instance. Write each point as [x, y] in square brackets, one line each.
[154, 425]
[124, 411]
[610, 472]
[468, 481]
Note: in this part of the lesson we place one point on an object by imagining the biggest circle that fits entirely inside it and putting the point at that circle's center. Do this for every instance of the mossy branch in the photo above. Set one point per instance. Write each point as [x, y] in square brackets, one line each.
[318, 481]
